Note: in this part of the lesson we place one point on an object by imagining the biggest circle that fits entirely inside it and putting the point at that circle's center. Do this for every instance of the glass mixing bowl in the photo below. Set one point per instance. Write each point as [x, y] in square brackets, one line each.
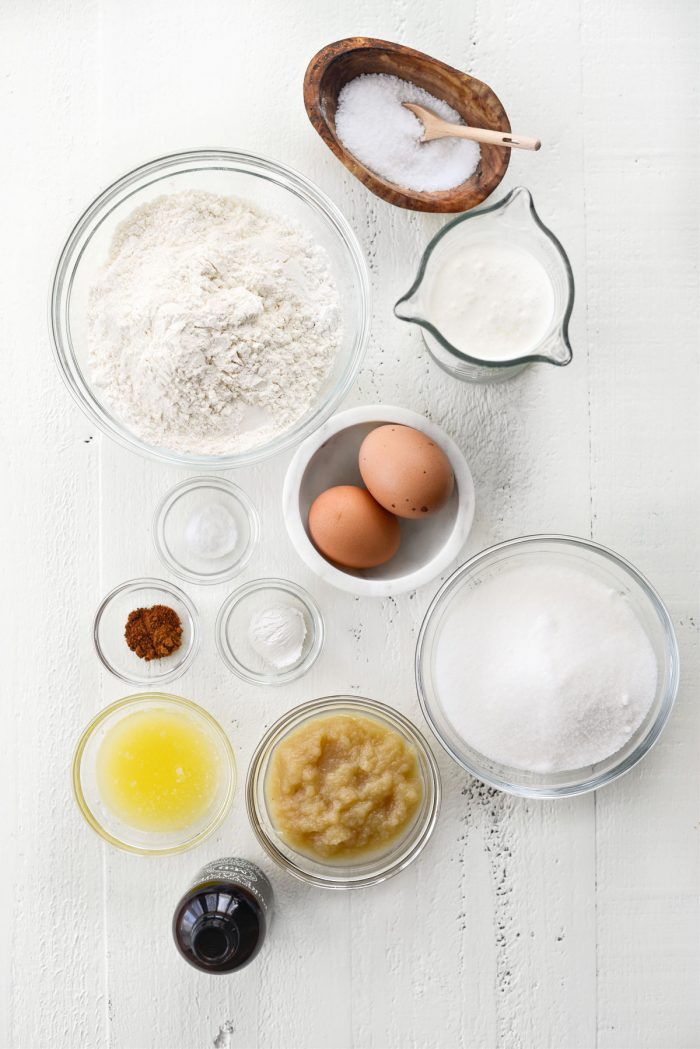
[264, 183]
[601, 564]
[368, 870]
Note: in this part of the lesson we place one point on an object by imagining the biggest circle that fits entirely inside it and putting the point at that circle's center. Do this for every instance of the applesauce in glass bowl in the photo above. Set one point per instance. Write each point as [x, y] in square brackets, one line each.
[373, 861]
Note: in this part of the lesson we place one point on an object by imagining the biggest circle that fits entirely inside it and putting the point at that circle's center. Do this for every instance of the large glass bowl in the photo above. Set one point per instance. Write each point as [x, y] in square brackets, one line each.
[264, 183]
[364, 871]
[600, 563]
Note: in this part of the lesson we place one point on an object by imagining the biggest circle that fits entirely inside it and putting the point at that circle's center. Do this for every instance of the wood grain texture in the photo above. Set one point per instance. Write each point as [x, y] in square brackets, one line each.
[525, 925]
[337, 64]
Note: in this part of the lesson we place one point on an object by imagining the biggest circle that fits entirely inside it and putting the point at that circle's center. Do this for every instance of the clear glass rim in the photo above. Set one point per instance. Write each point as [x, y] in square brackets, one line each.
[169, 499]
[587, 783]
[284, 676]
[395, 720]
[146, 583]
[64, 272]
[136, 700]
[528, 358]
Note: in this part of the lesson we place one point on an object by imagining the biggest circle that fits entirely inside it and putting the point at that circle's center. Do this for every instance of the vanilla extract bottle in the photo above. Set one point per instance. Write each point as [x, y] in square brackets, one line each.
[220, 923]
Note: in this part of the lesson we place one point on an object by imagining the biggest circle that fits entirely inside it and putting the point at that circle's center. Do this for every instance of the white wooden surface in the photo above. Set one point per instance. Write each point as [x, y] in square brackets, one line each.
[525, 924]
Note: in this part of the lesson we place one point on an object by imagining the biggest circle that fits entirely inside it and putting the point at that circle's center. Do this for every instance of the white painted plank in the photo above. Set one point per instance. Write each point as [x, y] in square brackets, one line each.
[642, 217]
[501, 949]
[52, 979]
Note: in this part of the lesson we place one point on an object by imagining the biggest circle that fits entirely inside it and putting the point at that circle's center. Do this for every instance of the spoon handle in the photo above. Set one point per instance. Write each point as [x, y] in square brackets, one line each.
[492, 138]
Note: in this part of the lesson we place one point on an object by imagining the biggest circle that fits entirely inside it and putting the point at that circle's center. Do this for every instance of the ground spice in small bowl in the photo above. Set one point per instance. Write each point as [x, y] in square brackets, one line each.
[153, 633]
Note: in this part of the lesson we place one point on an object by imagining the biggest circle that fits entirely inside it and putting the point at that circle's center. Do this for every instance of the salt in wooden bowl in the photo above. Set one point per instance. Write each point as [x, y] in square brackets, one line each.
[338, 63]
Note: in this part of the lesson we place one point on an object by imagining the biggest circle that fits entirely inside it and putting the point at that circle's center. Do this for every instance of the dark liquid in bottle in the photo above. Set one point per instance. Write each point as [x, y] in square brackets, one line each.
[220, 924]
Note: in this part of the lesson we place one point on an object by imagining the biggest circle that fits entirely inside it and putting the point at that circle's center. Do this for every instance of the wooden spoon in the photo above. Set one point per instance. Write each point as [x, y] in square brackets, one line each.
[435, 127]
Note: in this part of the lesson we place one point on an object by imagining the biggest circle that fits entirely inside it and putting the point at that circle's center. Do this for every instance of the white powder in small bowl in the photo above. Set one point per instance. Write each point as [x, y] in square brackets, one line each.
[278, 634]
[544, 668]
[372, 123]
[211, 532]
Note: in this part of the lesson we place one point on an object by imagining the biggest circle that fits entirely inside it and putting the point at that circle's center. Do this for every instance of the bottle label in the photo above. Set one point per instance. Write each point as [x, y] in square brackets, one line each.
[241, 872]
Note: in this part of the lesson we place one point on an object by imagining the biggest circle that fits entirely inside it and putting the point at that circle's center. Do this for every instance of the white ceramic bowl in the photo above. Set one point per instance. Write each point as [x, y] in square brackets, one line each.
[330, 457]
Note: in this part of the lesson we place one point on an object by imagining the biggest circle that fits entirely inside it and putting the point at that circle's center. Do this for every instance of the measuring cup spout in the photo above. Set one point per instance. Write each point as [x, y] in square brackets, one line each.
[562, 353]
[518, 205]
[557, 349]
[517, 212]
[407, 308]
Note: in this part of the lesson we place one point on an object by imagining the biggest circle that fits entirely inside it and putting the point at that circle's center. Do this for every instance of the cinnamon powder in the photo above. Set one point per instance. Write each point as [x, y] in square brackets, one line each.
[153, 633]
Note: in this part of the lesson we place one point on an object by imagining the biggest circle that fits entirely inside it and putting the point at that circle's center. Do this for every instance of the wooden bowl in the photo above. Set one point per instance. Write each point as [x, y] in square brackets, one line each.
[334, 65]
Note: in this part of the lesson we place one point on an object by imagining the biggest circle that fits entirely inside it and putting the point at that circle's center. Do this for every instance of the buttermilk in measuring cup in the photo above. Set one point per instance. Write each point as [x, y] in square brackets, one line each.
[494, 292]
[490, 298]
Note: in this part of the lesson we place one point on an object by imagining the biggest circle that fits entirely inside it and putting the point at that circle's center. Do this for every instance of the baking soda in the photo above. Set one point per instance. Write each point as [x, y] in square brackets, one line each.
[211, 532]
[278, 634]
[544, 668]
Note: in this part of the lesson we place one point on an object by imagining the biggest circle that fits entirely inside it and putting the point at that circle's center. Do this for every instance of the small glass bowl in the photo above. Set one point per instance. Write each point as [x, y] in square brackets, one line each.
[110, 622]
[600, 563]
[172, 518]
[233, 621]
[371, 870]
[108, 825]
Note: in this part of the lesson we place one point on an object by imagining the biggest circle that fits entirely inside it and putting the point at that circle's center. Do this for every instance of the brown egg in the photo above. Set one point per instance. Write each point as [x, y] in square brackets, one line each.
[351, 529]
[405, 470]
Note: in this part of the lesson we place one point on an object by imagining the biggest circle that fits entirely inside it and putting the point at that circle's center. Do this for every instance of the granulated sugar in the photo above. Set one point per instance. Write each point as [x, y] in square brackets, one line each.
[544, 668]
[372, 123]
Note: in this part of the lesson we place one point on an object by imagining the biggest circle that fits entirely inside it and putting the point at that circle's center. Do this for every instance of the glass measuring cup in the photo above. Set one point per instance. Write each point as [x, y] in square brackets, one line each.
[515, 220]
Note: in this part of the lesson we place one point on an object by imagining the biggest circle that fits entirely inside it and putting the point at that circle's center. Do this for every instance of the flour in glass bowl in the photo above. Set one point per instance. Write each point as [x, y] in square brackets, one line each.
[213, 325]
